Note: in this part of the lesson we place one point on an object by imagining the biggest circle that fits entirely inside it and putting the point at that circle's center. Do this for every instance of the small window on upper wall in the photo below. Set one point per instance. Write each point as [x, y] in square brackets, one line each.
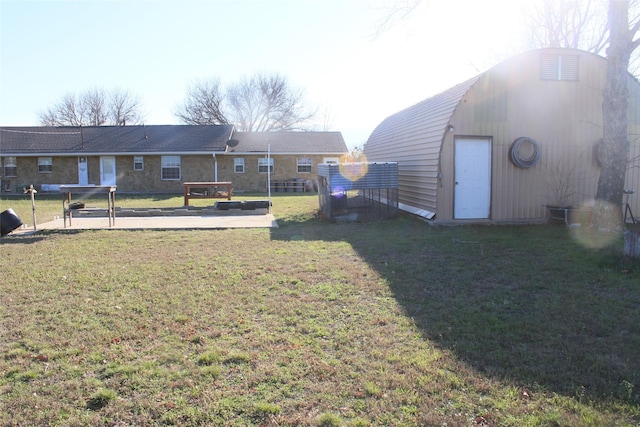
[238, 165]
[45, 165]
[10, 167]
[331, 160]
[138, 163]
[559, 67]
[304, 165]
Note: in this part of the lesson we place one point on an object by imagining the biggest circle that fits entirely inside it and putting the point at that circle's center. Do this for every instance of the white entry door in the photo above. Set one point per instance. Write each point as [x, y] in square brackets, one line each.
[472, 192]
[83, 171]
[107, 170]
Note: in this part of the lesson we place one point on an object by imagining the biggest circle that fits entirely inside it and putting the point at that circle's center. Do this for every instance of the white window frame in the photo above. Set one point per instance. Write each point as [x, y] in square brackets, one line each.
[265, 165]
[10, 166]
[45, 165]
[169, 165]
[138, 163]
[331, 160]
[238, 165]
[305, 165]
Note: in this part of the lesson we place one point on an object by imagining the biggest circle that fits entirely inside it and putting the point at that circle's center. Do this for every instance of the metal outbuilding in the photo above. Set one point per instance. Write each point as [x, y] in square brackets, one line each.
[508, 143]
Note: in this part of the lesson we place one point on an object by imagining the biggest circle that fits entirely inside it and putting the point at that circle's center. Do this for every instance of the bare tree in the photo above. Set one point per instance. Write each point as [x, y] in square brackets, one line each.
[265, 103]
[94, 103]
[65, 112]
[603, 28]
[327, 119]
[576, 24]
[203, 104]
[262, 103]
[395, 12]
[93, 108]
[124, 108]
[614, 152]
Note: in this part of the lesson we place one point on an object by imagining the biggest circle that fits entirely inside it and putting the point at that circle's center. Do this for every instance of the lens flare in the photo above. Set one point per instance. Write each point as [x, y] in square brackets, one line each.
[353, 171]
[600, 232]
[338, 191]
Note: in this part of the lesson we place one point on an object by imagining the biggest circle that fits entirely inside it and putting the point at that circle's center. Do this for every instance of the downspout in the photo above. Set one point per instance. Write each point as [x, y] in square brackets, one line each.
[215, 167]
[269, 174]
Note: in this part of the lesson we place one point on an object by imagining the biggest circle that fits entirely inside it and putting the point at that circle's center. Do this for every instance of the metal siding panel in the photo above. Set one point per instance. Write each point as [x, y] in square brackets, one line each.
[348, 176]
[425, 120]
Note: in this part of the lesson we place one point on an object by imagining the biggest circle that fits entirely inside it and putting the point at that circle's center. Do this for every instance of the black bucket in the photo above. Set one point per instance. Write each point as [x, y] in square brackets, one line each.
[9, 221]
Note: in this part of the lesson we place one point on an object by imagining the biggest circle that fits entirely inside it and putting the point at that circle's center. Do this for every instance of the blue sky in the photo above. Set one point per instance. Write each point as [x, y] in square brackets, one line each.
[328, 48]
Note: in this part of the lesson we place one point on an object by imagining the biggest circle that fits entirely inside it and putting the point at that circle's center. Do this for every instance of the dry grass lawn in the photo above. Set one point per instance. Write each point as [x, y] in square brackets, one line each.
[391, 323]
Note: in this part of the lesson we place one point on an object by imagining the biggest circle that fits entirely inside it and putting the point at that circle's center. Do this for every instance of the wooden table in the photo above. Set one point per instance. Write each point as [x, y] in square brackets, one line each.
[87, 191]
[214, 193]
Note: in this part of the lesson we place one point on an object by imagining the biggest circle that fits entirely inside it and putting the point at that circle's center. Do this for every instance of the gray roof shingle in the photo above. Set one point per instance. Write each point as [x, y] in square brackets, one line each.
[289, 142]
[155, 139]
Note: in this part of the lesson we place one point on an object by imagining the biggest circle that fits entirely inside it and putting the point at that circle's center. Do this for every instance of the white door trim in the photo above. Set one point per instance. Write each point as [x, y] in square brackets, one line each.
[83, 170]
[108, 170]
[472, 186]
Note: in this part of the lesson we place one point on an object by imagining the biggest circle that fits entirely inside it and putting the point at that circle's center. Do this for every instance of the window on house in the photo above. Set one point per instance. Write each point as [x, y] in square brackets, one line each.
[170, 167]
[559, 67]
[45, 165]
[10, 166]
[304, 165]
[331, 160]
[138, 163]
[238, 165]
[265, 165]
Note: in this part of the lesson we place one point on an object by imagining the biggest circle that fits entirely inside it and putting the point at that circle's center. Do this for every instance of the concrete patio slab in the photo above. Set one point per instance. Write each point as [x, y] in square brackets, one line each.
[158, 222]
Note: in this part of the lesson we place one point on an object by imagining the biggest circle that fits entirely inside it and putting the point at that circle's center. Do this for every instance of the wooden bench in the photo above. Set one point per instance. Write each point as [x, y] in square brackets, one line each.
[211, 190]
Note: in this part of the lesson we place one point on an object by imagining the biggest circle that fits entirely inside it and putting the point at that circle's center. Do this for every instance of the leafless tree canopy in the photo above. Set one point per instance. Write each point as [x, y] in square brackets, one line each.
[262, 103]
[124, 108]
[577, 24]
[394, 12]
[203, 104]
[94, 107]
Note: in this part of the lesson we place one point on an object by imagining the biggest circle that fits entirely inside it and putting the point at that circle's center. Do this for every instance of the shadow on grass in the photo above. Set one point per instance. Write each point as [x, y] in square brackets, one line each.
[20, 239]
[526, 304]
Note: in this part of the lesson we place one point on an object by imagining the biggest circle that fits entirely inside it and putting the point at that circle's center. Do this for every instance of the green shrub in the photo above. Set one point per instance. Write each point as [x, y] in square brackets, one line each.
[209, 357]
[266, 408]
[329, 420]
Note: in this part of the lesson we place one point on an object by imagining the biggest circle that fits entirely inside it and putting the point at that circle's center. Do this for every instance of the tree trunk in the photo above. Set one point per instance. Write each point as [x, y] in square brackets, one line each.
[615, 148]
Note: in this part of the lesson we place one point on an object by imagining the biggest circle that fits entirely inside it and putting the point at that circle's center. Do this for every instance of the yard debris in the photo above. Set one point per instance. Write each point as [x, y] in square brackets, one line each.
[41, 358]
[484, 420]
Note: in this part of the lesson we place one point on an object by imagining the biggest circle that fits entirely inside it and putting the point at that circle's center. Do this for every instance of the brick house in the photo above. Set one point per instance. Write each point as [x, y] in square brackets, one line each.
[159, 158]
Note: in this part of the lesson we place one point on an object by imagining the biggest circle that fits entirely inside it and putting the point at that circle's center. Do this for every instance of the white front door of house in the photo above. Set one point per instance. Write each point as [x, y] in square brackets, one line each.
[107, 170]
[83, 171]
[472, 191]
